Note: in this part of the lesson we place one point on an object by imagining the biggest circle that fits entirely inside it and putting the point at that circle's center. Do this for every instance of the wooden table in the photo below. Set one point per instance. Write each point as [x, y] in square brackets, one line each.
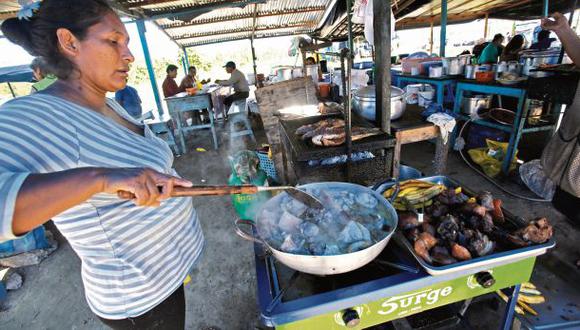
[412, 128]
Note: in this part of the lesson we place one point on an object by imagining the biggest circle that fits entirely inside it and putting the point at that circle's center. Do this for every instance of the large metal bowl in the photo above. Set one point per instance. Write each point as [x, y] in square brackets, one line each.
[333, 264]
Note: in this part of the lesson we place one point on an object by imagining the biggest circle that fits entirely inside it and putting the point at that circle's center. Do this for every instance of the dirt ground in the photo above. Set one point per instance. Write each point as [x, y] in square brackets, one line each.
[222, 293]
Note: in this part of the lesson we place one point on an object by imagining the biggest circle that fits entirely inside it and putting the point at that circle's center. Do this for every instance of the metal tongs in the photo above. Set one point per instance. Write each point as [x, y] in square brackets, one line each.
[223, 190]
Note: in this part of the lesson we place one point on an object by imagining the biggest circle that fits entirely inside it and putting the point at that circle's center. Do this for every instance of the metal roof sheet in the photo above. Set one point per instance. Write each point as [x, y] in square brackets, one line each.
[420, 13]
[198, 22]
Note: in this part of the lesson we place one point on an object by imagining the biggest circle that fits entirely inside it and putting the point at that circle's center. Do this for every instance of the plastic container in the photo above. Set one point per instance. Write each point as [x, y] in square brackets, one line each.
[412, 92]
[324, 89]
[484, 76]
[425, 98]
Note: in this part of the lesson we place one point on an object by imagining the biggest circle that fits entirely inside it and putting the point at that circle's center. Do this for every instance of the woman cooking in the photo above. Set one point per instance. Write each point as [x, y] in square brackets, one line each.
[68, 152]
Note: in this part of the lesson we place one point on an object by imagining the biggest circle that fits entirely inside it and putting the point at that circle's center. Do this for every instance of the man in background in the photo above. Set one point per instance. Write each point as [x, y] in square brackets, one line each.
[169, 86]
[544, 41]
[42, 77]
[189, 81]
[238, 81]
[129, 99]
[492, 51]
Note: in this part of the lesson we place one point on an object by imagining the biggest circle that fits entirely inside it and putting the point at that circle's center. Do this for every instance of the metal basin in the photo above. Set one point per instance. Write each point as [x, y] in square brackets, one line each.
[331, 264]
[364, 102]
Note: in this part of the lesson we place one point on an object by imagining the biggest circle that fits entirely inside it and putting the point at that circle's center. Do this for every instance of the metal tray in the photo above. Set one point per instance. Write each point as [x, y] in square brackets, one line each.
[476, 264]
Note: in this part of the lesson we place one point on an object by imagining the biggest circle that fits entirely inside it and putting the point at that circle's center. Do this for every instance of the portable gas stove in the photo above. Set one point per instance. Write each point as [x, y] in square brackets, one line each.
[390, 287]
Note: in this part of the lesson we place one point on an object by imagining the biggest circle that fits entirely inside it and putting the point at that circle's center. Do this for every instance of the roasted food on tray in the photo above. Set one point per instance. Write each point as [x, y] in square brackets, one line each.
[331, 132]
[455, 227]
[348, 223]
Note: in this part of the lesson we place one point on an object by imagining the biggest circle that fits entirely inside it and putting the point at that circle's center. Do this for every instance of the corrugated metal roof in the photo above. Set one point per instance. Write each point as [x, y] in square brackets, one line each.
[196, 22]
[420, 13]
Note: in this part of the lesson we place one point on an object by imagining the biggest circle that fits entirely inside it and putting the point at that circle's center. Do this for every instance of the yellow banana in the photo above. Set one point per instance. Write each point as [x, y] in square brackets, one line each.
[502, 295]
[529, 285]
[527, 308]
[530, 291]
[532, 299]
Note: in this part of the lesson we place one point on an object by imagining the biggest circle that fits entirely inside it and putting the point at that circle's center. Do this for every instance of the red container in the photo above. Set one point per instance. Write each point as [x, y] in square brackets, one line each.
[484, 76]
[324, 89]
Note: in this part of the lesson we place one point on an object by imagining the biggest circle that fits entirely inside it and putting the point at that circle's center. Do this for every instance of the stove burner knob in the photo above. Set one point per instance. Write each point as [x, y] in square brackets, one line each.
[351, 318]
[485, 279]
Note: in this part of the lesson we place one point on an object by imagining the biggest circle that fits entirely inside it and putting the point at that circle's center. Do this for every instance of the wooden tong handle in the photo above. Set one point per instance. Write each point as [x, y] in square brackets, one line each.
[203, 191]
[214, 190]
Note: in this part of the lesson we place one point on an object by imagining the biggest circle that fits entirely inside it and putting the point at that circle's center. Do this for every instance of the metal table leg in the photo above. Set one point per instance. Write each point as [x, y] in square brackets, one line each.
[213, 132]
[456, 110]
[516, 133]
[508, 317]
[440, 91]
[180, 131]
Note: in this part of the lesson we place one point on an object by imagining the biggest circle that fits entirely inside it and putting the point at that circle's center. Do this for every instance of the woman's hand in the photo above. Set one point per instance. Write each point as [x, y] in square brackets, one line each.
[146, 187]
[557, 22]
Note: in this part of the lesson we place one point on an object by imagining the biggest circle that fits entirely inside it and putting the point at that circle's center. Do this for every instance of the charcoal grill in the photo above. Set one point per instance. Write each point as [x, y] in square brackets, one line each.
[297, 153]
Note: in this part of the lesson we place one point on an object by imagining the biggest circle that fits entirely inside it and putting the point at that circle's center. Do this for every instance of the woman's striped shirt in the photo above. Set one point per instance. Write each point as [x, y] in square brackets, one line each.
[132, 257]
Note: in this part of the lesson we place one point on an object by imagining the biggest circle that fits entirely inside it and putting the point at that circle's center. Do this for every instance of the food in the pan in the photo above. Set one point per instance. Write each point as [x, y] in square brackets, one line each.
[331, 132]
[349, 222]
[456, 228]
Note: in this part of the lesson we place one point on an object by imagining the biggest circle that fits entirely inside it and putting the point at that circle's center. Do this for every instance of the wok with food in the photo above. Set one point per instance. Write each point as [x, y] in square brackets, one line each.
[354, 226]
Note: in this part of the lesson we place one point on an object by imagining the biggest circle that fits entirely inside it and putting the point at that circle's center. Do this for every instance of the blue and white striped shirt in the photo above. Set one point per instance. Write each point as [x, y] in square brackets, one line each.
[132, 257]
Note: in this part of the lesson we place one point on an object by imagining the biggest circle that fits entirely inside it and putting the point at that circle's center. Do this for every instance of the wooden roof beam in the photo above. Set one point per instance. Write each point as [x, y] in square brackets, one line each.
[242, 16]
[246, 29]
[143, 3]
[220, 40]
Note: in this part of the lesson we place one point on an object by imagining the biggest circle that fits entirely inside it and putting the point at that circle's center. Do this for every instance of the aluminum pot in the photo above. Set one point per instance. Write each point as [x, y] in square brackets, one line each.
[364, 102]
[284, 73]
[471, 105]
[453, 66]
[532, 60]
[332, 264]
[470, 71]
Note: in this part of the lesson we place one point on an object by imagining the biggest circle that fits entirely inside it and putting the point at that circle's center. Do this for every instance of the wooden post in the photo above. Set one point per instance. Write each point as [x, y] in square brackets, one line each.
[382, 35]
[431, 39]
[485, 26]
[254, 61]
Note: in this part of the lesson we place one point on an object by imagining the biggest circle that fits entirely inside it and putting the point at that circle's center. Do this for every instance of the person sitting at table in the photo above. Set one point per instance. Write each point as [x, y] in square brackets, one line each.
[491, 51]
[129, 99]
[544, 41]
[238, 81]
[169, 86]
[512, 49]
[189, 81]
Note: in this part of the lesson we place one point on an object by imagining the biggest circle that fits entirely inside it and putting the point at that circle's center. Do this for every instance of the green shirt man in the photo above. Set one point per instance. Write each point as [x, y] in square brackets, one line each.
[491, 51]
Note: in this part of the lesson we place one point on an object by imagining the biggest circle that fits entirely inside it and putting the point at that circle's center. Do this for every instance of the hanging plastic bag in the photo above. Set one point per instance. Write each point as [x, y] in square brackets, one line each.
[369, 30]
[358, 11]
[491, 158]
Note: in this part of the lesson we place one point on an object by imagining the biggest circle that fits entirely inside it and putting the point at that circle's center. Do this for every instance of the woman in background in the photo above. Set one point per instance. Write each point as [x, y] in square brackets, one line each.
[512, 49]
